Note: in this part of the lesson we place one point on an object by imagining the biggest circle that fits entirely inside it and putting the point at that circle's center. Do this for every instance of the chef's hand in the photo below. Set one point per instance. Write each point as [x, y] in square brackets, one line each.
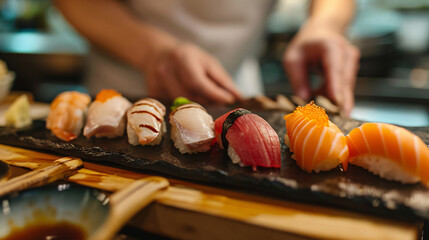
[320, 46]
[183, 69]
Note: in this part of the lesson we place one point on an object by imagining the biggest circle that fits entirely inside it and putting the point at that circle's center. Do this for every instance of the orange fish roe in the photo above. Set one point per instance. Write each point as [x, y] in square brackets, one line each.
[106, 94]
[314, 113]
[317, 144]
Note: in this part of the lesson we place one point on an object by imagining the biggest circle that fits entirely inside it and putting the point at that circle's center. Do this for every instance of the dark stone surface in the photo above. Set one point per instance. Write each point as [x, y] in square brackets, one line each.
[356, 189]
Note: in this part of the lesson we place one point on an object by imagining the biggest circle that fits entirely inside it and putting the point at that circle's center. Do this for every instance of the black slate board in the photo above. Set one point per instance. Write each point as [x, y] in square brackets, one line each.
[355, 189]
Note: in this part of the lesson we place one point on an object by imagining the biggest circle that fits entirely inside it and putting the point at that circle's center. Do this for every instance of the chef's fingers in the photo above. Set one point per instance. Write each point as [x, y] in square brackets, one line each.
[217, 73]
[193, 72]
[333, 57]
[154, 87]
[351, 67]
[295, 65]
[168, 76]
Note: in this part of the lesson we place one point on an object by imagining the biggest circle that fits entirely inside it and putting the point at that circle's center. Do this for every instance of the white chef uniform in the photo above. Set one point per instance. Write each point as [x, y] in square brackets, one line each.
[230, 30]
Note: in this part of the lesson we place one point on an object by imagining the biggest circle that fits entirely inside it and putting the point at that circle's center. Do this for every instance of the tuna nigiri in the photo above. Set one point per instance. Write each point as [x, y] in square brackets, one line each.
[248, 139]
[389, 151]
[191, 126]
[106, 115]
[66, 114]
[146, 125]
[317, 143]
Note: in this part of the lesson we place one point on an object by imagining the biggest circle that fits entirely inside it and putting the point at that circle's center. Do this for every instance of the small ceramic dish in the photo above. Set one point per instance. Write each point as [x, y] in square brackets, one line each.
[71, 211]
[85, 208]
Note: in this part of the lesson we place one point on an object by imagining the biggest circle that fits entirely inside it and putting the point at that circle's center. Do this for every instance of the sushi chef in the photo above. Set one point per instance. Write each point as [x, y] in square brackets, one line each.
[206, 50]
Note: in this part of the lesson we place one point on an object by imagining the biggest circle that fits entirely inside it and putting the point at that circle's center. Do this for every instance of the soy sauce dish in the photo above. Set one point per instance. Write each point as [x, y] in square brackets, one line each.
[62, 211]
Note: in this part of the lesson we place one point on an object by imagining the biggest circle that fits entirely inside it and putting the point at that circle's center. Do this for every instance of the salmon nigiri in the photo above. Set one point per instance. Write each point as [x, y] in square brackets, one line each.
[248, 139]
[146, 125]
[317, 143]
[106, 115]
[66, 114]
[389, 151]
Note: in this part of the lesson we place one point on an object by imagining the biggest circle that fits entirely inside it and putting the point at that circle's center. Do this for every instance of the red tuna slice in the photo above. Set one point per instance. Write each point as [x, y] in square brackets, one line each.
[253, 139]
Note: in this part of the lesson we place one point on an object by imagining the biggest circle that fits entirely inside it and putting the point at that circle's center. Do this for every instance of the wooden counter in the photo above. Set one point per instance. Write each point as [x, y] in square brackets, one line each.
[195, 211]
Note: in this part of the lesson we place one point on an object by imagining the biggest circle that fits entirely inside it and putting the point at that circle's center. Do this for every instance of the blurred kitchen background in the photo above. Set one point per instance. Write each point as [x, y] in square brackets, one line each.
[48, 56]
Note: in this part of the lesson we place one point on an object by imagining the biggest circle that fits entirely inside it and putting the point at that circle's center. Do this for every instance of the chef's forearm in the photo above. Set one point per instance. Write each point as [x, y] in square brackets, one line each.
[334, 14]
[108, 24]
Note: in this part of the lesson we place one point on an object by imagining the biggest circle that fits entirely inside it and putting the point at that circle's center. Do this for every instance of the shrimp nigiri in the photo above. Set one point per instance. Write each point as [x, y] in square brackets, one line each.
[317, 143]
[248, 139]
[191, 126]
[66, 114]
[389, 151]
[146, 125]
[106, 115]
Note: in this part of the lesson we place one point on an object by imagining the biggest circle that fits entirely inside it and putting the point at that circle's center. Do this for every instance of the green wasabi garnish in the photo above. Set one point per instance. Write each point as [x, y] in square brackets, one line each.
[179, 102]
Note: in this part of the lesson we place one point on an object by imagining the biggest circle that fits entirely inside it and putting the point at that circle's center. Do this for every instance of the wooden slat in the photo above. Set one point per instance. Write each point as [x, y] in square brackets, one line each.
[25, 158]
[58, 169]
[99, 180]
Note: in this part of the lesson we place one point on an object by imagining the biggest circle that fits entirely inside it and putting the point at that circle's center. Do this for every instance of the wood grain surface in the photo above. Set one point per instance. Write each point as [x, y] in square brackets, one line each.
[254, 211]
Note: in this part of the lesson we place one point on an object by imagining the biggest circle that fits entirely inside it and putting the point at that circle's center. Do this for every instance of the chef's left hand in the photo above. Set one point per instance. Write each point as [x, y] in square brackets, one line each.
[317, 45]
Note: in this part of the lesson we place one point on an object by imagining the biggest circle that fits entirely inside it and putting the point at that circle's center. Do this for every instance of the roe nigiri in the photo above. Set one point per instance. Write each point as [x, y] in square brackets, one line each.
[66, 114]
[317, 143]
[248, 139]
[389, 151]
[146, 125]
[191, 126]
[106, 115]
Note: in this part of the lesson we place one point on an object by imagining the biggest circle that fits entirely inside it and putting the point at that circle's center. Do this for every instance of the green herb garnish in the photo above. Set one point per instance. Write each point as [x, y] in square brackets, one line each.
[179, 102]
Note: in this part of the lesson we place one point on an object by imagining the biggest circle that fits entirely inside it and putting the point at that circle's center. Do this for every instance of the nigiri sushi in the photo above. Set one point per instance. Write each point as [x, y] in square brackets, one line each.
[146, 125]
[389, 151]
[106, 115]
[66, 114]
[317, 143]
[248, 139]
[191, 126]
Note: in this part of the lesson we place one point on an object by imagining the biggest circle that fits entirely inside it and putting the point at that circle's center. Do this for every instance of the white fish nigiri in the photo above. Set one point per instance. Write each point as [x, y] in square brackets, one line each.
[65, 118]
[146, 124]
[192, 128]
[106, 115]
